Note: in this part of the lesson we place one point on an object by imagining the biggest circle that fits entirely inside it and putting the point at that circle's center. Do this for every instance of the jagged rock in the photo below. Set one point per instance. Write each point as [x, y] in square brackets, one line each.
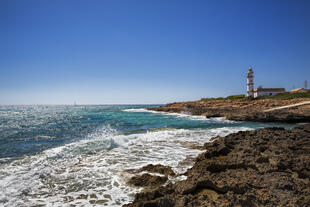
[265, 167]
[147, 180]
[165, 170]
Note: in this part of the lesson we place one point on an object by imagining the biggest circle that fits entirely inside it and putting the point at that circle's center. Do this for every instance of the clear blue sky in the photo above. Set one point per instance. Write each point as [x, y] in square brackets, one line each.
[148, 51]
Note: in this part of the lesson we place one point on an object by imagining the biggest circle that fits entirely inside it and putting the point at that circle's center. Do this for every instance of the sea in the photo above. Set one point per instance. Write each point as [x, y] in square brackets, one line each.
[82, 155]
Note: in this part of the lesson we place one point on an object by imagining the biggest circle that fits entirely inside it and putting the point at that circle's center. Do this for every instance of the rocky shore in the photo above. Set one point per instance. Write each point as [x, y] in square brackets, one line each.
[243, 110]
[265, 167]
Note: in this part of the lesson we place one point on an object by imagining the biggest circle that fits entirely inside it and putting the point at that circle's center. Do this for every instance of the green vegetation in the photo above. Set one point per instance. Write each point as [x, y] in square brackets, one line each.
[212, 99]
[280, 96]
[287, 95]
[233, 97]
[236, 97]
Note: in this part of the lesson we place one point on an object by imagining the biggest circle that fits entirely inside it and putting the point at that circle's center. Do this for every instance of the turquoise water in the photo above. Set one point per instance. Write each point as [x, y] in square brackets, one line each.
[31, 129]
[89, 149]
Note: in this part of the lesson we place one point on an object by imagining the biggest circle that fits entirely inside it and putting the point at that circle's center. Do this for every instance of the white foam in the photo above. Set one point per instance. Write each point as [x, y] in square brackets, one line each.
[182, 115]
[55, 175]
[136, 110]
[179, 115]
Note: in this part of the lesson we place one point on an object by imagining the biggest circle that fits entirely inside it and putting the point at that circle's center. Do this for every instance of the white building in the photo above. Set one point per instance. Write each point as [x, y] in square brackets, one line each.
[267, 91]
[251, 92]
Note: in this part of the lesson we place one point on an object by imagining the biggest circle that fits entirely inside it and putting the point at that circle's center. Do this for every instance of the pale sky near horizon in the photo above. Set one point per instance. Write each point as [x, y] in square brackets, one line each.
[148, 51]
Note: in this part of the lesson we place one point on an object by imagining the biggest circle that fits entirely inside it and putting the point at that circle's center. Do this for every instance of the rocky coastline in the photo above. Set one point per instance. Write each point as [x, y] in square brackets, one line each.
[265, 167]
[244, 110]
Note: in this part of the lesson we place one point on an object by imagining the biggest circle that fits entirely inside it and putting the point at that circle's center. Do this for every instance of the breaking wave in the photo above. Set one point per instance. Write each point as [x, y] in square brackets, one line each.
[83, 155]
[94, 168]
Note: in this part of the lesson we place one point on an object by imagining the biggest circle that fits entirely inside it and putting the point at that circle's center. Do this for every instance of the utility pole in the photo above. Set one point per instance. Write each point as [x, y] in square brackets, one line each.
[306, 84]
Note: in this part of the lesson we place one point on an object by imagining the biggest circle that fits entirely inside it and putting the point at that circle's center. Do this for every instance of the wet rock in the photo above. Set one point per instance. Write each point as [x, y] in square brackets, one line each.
[147, 180]
[92, 201]
[165, 170]
[116, 184]
[107, 196]
[265, 167]
[82, 196]
[68, 199]
[190, 145]
[93, 196]
[103, 201]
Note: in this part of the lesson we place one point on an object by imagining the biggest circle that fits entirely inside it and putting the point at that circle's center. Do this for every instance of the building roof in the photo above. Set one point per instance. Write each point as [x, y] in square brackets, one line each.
[298, 89]
[269, 90]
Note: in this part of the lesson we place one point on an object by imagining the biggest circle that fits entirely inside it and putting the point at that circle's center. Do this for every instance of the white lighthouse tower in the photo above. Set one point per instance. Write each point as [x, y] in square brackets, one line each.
[250, 82]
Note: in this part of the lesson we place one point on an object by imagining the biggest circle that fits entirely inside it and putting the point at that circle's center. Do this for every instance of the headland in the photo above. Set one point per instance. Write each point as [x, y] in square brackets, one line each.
[245, 109]
[265, 167]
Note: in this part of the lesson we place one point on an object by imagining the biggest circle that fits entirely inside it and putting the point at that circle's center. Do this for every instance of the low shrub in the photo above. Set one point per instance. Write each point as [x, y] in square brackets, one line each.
[212, 99]
[288, 95]
[236, 97]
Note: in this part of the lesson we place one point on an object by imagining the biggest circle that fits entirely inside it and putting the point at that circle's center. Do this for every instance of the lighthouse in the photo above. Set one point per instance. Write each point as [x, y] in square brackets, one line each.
[250, 82]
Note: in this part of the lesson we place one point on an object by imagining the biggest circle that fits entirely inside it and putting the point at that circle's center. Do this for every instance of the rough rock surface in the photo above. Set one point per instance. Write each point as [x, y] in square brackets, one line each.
[246, 110]
[265, 167]
[165, 170]
[147, 180]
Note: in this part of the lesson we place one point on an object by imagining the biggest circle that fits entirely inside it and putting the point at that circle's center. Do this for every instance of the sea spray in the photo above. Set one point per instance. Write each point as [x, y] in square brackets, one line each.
[86, 153]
